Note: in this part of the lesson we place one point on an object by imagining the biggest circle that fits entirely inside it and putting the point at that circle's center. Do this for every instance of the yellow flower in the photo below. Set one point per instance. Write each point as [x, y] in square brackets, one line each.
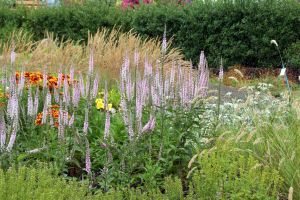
[100, 93]
[99, 104]
[109, 106]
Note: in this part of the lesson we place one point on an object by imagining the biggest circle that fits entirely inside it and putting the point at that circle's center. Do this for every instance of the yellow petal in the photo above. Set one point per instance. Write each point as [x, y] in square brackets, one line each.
[109, 106]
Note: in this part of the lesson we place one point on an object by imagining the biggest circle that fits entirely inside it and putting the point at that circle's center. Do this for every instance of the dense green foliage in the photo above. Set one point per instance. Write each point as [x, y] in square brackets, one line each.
[240, 32]
[30, 183]
[243, 179]
[227, 174]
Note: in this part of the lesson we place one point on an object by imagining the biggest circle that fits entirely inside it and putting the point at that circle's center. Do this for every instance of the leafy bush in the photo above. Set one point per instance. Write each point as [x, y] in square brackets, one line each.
[44, 183]
[62, 119]
[292, 55]
[7, 3]
[225, 173]
[276, 144]
[40, 183]
[238, 31]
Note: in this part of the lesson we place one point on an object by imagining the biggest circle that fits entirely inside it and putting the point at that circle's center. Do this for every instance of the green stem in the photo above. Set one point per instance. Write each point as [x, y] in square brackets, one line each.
[219, 101]
[162, 111]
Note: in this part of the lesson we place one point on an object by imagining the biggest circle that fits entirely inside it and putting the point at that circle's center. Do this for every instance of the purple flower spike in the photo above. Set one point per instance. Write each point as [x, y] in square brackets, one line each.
[61, 128]
[45, 80]
[164, 42]
[86, 122]
[72, 74]
[56, 96]
[88, 163]
[30, 110]
[81, 85]
[150, 125]
[21, 83]
[59, 79]
[76, 95]
[12, 136]
[107, 125]
[221, 73]
[95, 86]
[36, 102]
[12, 56]
[201, 66]
[2, 133]
[91, 62]
[71, 121]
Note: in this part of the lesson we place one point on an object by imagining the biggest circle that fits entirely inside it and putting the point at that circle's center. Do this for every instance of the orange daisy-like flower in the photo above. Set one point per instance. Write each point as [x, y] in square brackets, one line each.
[52, 82]
[54, 111]
[38, 120]
[35, 78]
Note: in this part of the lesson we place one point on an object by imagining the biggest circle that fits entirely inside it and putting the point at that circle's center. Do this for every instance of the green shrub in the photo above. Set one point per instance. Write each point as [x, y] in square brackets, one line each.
[173, 188]
[239, 31]
[7, 3]
[40, 183]
[276, 144]
[224, 173]
[292, 55]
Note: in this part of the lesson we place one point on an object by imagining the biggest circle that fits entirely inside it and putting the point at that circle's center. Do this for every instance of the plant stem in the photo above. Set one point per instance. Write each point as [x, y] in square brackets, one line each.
[162, 111]
[219, 101]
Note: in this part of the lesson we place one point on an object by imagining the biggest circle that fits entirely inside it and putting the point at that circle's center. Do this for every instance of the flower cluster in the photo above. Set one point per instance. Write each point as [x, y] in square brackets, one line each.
[37, 78]
[133, 3]
[52, 112]
[100, 105]
[2, 97]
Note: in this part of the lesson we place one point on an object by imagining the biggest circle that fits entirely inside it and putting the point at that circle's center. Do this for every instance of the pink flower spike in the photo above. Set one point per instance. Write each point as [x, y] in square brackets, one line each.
[95, 86]
[201, 66]
[2, 133]
[91, 62]
[221, 72]
[30, 110]
[12, 136]
[164, 42]
[107, 125]
[71, 121]
[86, 122]
[88, 163]
[45, 80]
[150, 125]
[59, 79]
[12, 57]
[71, 74]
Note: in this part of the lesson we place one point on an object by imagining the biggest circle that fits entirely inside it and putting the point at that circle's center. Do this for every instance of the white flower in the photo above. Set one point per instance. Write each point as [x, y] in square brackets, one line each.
[113, 111]
[274, 42]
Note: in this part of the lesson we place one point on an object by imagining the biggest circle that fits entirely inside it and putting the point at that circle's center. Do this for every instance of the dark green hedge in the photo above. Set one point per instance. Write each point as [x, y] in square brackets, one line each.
[240, 32]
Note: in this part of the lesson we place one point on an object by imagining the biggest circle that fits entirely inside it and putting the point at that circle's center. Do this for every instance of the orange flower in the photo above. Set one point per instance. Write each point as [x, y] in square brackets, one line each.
[35, 78]
[54, 111]
[38, 120]
[27, 74]
[52, 82]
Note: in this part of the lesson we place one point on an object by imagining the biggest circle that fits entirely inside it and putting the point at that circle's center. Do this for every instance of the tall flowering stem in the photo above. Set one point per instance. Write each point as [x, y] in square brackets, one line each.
[88, 164]
[162, 96]
[2, 132]
[107, 118]
[221, 75]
